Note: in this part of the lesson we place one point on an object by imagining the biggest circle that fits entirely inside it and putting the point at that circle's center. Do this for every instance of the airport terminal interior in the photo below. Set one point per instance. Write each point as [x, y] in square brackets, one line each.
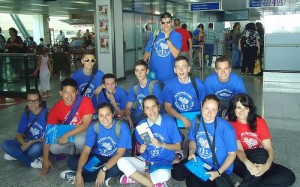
[276, 92]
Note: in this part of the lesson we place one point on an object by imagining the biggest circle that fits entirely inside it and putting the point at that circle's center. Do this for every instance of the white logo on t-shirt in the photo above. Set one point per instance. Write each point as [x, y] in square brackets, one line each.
[183, 101]
[162, 48]
[107, 146]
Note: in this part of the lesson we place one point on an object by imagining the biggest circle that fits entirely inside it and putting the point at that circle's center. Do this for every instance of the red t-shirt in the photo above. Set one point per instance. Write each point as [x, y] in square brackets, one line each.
[59, 113]
[251, 140]
[185, 36]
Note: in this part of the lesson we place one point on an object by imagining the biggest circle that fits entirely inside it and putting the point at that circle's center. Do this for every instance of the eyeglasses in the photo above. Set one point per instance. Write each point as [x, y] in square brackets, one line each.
[33, 101]
[167, 22]
[92, 60]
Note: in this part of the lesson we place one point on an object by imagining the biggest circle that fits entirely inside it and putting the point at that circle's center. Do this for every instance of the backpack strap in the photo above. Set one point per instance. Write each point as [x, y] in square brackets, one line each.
[197, 125]
[117, 128]
[193, 80]
[151, 85]
[136, 91]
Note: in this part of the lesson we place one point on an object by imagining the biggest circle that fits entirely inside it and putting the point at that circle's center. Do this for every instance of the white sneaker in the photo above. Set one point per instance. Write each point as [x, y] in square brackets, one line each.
[8, 157]
[111, 181]
[36, 164]
[69, 175]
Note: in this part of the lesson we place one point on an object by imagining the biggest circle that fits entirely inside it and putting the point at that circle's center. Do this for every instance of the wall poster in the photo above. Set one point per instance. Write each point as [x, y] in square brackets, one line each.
[104, 26]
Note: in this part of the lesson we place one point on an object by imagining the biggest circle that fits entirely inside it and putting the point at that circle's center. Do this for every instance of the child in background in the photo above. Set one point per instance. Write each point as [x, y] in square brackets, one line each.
[43, 67]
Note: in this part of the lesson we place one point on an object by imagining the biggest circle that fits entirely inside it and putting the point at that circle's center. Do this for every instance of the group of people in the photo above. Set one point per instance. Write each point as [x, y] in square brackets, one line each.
[250, 42]
[104, 114]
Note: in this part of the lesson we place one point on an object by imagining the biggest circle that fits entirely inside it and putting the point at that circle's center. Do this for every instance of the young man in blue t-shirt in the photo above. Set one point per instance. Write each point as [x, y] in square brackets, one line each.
[224, 84]
[83, 76]
[163, 47]
[137, 92]
[180, 95]
[113, 94]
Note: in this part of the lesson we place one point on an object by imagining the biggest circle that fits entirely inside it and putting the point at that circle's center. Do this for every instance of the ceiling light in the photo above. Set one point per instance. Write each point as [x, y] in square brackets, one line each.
[36, 4]
[5, 7]
[69, 8]
[79, 2]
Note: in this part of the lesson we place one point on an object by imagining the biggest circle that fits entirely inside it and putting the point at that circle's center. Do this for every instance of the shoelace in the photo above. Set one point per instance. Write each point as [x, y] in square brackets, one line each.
[71, 180]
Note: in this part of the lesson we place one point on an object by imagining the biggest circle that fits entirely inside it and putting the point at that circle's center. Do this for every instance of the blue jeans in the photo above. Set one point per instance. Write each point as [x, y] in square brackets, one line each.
[13, 148]
[92, 176]
[236, 57]
[208, 50]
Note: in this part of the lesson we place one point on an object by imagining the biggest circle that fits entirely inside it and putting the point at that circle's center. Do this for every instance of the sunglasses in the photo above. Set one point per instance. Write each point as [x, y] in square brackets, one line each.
[92, 60]
[167, 22]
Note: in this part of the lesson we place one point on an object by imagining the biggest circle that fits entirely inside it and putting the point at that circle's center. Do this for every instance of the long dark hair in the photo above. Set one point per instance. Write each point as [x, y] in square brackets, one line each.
[246, 101]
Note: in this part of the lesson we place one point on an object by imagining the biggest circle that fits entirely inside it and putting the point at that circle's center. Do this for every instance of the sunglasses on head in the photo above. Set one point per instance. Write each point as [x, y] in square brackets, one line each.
[92, 60]
[168, 22]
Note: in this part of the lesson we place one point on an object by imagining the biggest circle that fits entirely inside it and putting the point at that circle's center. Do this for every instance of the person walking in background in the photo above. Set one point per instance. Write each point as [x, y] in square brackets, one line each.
[255, 155]
[2, 42]
[209, 43]
[236, 53]
[261, 31]
[186, 41]
[146, 36]
[60, 37]
[201, 37]
[43, 67]
[43, 43]
[164, 47]
[250, 46]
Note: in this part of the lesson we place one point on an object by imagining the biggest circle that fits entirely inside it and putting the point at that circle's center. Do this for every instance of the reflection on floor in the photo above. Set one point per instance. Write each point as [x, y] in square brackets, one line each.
[7, 101]
[277, 98]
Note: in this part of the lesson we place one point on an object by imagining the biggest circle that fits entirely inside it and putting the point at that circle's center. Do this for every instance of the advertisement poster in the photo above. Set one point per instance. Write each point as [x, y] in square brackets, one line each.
[103, 12]
[104, 44]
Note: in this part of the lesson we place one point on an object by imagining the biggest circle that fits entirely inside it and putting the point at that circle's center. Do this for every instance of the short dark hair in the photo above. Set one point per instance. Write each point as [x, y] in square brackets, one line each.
[201, 26]
[104, 105]
[211, 97]
[34, 92]
[68, 82]
[108, 76]
[41, 39]
[222, 59]
[166, 15]
[184, 26]
[181, 58]
[141, 63]
[151, 97]
[177, 22]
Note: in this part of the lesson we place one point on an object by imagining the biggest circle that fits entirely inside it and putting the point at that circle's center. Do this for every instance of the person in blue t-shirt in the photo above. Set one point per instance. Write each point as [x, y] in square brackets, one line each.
[162, 49]
[136, 94]
[158, 153]
[179, 94]
[113, 94]
[224, 84]
[83, 76]
[27, 146]
[103, 144]
[220, 133]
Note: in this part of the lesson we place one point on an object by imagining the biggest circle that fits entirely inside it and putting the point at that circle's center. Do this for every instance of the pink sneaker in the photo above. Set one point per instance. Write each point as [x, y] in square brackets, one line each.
[126, 180]
[163, 184]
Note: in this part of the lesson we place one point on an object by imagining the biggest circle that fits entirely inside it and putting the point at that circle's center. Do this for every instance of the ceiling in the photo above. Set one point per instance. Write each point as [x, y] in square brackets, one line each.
[76, 9]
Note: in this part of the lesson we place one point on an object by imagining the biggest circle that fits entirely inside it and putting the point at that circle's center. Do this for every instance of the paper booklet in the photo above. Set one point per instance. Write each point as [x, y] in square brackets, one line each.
[145, 132]
[198, 168]
[53, 132]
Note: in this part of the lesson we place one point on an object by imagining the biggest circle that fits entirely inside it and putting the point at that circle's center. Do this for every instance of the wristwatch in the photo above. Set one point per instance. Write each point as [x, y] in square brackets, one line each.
[168, 38]
[104, 169]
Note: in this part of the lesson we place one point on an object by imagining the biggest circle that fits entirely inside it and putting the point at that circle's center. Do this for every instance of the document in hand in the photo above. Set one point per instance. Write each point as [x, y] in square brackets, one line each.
[94, 164]
[198, 168]
[145, 132]
[53, 132]
[188, 115]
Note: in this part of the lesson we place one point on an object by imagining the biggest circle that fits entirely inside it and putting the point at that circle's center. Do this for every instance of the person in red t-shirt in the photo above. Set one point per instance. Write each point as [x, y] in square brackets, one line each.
[186, 49]
[255, 155]
[59, 114]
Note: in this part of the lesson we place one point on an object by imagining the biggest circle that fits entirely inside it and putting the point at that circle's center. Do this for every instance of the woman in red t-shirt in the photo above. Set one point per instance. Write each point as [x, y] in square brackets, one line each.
[254, 161]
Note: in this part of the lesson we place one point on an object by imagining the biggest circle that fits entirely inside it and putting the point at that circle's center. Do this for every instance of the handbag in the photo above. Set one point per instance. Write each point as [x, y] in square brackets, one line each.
[257, 67]
[224, 180]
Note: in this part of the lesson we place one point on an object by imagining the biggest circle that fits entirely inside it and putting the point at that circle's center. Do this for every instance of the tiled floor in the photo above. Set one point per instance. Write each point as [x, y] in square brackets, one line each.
[276, 95]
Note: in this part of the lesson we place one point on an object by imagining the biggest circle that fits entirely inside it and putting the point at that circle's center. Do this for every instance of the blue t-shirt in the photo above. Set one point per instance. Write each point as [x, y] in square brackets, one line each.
[142, 93]
[162, 61]
[167, 133]
[195, 34]
[225, 141]
[82, 80]
[121, 97]
[106, 143]
[224, 90]
[37, 130]
[183, 97]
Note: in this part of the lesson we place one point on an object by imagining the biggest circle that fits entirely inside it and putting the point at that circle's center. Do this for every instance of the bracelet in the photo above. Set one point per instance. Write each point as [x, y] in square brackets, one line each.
[219, 173]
